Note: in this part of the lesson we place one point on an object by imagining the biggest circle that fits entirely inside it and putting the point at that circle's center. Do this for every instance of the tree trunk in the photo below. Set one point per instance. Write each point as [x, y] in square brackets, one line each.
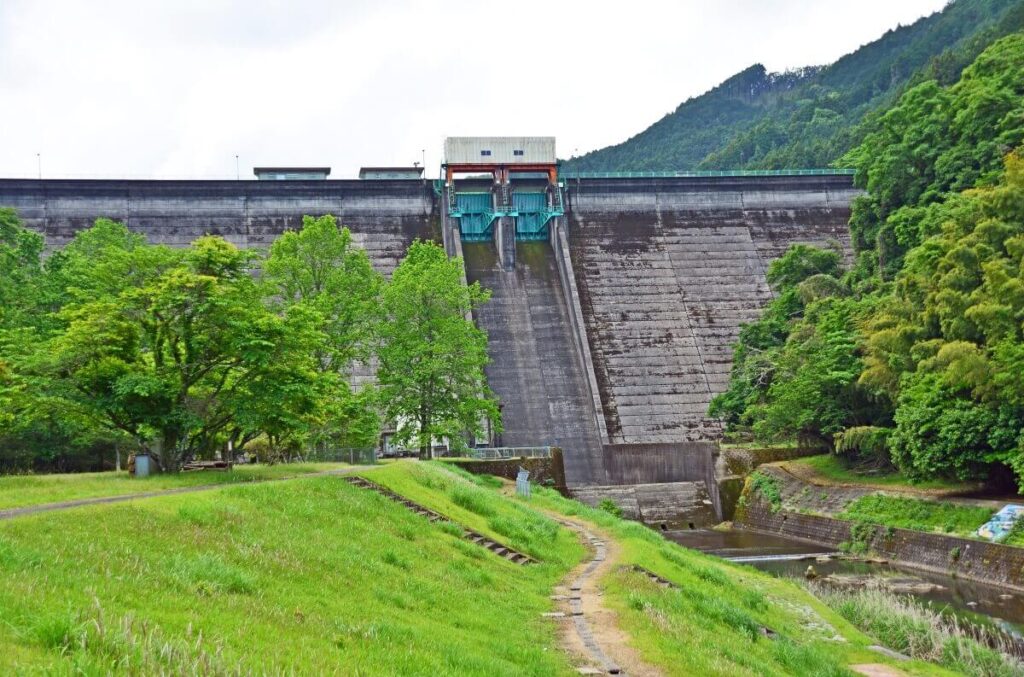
[424, 437]
[170, 455]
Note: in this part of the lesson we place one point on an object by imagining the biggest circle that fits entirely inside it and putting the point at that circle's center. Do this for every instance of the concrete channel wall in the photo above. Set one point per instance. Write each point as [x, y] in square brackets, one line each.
[977, 560]
[535, 368]
[567, 278]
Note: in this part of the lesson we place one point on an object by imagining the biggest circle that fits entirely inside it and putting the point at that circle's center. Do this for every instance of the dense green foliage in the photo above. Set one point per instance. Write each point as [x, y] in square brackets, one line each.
[810, 117]
[112, 342]
[432, 358]
[923, 339]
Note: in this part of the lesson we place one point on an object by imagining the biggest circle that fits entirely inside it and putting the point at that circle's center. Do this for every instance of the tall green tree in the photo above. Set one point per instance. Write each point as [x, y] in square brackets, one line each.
[917, 351]
[432, 355]
[320, 270]
[167, 361]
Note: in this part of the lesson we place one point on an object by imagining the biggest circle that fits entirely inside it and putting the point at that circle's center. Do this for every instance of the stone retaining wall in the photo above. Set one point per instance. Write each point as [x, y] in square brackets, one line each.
[976, 560]
[734, 464]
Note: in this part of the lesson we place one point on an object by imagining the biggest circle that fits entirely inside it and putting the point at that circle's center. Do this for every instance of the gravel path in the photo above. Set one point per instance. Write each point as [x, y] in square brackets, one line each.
[594, 634]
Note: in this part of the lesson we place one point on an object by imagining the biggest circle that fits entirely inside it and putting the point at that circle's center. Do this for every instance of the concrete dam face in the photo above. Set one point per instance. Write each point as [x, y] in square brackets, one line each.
[668, 270]
[609, 333]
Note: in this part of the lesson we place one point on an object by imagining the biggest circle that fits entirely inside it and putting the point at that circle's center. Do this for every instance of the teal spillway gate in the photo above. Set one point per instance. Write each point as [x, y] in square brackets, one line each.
[531, 224]
[476, 213]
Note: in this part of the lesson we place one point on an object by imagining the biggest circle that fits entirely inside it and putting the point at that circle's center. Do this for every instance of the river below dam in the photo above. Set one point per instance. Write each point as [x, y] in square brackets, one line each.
[967, 600]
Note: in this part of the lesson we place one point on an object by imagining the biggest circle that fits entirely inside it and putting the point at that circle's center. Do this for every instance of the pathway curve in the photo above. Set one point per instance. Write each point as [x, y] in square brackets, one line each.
[11, 513]
[594, 633]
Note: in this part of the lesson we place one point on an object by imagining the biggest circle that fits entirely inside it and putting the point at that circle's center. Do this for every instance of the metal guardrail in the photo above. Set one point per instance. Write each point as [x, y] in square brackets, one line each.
[352, 455]
[499, 453]
[570, 174]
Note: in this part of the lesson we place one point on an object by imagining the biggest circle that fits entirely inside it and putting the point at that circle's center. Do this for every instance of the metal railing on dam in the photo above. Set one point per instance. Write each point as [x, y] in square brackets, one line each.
[570, 174]
[496, 453]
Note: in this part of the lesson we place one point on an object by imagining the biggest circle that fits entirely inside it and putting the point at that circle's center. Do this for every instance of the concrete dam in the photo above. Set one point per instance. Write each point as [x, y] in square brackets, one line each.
[614, 302]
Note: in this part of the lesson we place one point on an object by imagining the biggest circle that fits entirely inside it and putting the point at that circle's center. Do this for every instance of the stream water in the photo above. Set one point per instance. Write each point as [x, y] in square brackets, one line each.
[979, 603]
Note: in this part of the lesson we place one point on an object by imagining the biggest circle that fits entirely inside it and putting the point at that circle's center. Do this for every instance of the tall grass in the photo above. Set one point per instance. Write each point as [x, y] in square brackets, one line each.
[908, 626]
[912, 513]
[93, 642]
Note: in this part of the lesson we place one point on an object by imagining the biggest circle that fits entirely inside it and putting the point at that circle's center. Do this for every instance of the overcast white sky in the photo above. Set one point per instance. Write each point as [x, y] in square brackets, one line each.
[161, 89]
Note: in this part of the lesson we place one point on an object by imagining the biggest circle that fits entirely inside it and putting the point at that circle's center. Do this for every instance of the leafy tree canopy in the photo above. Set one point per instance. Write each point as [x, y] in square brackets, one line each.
[919, 348]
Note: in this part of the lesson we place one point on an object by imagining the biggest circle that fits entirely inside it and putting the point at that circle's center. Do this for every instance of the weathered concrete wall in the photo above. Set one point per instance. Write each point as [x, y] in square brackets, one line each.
[567, 277]
[976, 560]
[670, 505]
[662, 464]
[668, 269]
[650, 463]
[620, 334]
[542, 470]
[384, 216]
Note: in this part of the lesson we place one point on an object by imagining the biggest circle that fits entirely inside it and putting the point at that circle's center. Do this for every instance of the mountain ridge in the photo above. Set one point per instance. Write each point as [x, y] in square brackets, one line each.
[809, 117]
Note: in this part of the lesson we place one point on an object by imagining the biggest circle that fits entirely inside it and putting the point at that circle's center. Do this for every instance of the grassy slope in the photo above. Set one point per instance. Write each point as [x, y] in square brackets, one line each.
[912, 513]
[17, 491]
[905, 512]
[312, 576]
[316, 576]
[709, 626]
[829, 468]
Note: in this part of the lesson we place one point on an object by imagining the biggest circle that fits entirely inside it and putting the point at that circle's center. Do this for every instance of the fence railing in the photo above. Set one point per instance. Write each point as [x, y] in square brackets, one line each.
[572, 174]
[498, 453]
[353, 455]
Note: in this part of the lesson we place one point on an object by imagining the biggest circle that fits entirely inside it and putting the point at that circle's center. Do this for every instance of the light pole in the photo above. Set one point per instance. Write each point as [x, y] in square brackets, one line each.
[39, 165]
[238, 174]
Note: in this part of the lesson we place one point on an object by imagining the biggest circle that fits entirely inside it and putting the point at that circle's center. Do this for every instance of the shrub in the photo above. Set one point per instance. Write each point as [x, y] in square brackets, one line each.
[608, 505]
[768, 487]
[867, 443]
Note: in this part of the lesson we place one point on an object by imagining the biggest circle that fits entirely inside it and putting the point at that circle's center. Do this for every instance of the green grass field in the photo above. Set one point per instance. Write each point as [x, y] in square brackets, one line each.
[912, 513]
[314, 576]
[19, 491]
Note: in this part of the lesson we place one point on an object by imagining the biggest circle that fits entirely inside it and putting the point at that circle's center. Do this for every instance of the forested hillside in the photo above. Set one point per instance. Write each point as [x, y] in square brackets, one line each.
[810, 117]
[913, 356]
